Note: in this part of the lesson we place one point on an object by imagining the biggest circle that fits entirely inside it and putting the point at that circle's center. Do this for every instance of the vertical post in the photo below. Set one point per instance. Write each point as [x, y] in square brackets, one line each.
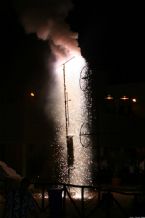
[65, 101]
[43, 198]
[66, 114]
[64, 201]
[98, 154]
[24, 161]
[66, 118]
[82, 202]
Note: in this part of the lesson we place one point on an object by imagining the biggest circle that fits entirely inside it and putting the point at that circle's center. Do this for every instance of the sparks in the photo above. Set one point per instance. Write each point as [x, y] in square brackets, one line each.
[76, 115]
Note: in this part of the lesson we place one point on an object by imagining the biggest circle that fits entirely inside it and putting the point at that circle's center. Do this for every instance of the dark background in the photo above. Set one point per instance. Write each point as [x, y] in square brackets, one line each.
[111, 37]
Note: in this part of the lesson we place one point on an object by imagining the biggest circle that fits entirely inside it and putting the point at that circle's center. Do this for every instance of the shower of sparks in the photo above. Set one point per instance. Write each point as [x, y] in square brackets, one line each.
[80, 171]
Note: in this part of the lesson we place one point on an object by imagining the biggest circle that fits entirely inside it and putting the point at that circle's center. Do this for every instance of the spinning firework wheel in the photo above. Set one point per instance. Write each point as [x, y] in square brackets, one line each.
[85, 129]
[85, 133]
[84, 78]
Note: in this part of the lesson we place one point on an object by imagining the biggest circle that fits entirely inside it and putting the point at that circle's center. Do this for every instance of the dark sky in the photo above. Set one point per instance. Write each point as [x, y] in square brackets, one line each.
[22, 69]
[23, 56]
[112, 38]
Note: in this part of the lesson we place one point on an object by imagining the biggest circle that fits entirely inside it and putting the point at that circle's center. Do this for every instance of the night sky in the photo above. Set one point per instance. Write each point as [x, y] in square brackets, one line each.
[112, 38]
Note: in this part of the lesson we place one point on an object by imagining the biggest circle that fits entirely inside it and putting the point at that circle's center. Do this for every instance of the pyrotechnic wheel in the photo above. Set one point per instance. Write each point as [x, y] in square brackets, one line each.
[84, 78]
[85, 135]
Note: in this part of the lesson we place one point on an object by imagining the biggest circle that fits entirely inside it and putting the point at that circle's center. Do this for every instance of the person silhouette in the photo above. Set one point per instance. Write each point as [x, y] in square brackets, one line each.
[19, 199]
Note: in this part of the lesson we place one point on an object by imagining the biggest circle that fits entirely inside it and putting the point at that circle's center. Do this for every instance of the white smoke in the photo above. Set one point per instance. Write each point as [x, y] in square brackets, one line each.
[47, 20]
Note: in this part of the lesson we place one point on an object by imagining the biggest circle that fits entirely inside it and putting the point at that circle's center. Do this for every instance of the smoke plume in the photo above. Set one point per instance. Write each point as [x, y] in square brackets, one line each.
[46, 18]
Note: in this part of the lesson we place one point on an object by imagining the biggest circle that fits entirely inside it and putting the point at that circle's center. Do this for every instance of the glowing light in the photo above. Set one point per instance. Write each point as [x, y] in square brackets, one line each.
[32, 94]
[124, 98]
[134, 100]
[40, 196]
[76, 194]
[109, 97]
[74, 67]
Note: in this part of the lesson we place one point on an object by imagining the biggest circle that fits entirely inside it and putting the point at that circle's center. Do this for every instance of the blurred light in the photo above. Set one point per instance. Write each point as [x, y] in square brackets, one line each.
[133, 99]
[124, 98]
[32, 94]
[109, 97]
[39, 195]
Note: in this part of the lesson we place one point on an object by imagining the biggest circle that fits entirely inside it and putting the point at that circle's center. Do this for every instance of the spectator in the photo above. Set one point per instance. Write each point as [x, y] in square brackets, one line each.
[19, 200]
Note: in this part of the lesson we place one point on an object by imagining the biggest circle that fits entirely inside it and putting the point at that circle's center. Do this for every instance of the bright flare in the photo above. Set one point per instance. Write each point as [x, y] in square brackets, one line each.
[80, 172]
[134, 99]
[32, 94]
[124, 98]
